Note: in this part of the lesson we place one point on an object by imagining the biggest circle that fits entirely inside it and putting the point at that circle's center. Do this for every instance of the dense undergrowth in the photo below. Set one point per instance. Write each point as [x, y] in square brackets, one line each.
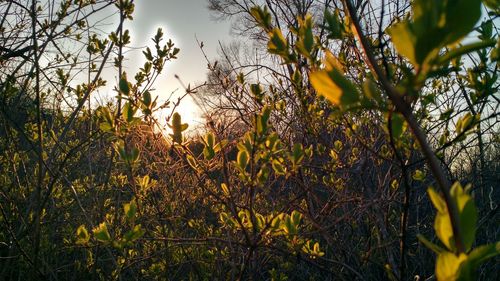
[362, 144]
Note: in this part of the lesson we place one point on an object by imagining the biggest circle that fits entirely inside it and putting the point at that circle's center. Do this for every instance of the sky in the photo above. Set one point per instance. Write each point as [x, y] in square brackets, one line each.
[182, 21]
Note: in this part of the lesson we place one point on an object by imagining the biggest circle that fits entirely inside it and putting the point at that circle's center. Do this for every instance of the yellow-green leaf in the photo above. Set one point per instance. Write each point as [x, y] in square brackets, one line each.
[82, 235]
[419, 175]
[278, 167]
[398, 125]
[130, 209]
[225, 189]
[476, 257]
[210, 139]
[437, 200]
[442, 223]
[242, 159]
[101, 233]
[262, 16]
[332, 84]
[128, 112]
[325, 86]
[448, 266]
[404, 41]
[177, 128]
[277, 42]
[467, 214]
[370, 90]
[444, 230]
[191, 161]
[334, 25]
[429, 244]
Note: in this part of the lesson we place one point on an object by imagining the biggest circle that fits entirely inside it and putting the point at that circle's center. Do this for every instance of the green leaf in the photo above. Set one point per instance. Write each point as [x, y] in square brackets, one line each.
[256, 90]
[309, 151]
[427, 29]
[317, 250]
[446, 114]
[305, 43]
[208, 153]
[334, 25]
[82, 235]
[241, 78]
[242, 159]
[297, 153]
[435, 25]
[276, 222]
[308, 39]
[370, 90]
[338, 145]
[191, 161]
[476, 257]
[461, 17]
[101, 233]
[332, 84]
[124, 85]
[464, 123]
[462, 50]
[404, 40]
[419, 175]
[288, 226]
[210, 139]
[278, 167]
[120, 148]
[324, 85]
[266, 113]
[395, 184]
[435, 248]
[467, 214]
[146, 98]
[127, 112]
[130, 209]
[209, 149]
[106, 127]
[177, 128]
[277, 43]
[296, 217]
[444, 230]
[262, 17]
[134, 155]
[138, 232]
[397, 124]
[468, 220]
[263, 174]
[134, 234]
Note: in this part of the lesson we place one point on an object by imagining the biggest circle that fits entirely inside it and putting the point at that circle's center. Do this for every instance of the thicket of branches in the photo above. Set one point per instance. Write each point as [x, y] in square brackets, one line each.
[345, 140]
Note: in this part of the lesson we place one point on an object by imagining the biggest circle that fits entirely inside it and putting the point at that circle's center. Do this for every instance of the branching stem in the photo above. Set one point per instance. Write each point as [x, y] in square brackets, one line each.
[397, 99]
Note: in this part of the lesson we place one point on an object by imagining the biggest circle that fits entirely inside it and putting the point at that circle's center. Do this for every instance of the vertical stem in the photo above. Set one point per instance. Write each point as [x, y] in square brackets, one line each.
[482, 161]
[404, 223]
[120, 54]
[406, 204]
[40, 172]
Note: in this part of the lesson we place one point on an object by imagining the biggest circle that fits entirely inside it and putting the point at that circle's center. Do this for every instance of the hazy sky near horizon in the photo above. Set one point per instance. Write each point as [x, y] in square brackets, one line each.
[182, 21]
